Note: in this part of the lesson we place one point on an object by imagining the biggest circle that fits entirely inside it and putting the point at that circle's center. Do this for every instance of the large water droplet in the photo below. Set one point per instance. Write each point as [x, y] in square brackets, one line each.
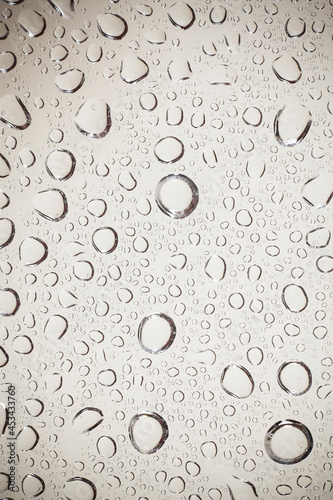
[294, 298]
[288, 442]
[179, 69]
[215, 268]
[112, 26]
[33, 251]
[32, 22]
[218, 14]
[13, 112]
[156, 333]
[318, 191]
[106, 446]
[169, 149]
[287, 69]
[237, 381]
[32, 485]
[318, 238]
[87, 419]
[7, 232]
[105, 240]
[294, 377]
[51, 204]
[60, 164]
[7, 61]
[80, 488]
[177, 196]
[295, 27]
[148, 432]
[27, 438]
[292, 124]
[55, 327]
[133, 69]
[93, 118]
[70, 81]
[9, 302]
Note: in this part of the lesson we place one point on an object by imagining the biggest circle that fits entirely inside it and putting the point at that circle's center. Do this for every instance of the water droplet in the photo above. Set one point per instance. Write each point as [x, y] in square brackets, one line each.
[9, 302]
[244, 218]
[294, 377]
[7, 232]
[222, 74]
[4, 31]
[87, 419]
[157, 331]
[105, 240]
[288, 442]
[32, 485]
[287, 68]
[97, 207]
[174, 115]
[13, 112]
[292, 124]
[51, 204]
[7, 61]
[83, 270]
[177, 196]
[181, 15]
[93, 118]
[27, 438]
[58, 53]
[294, 298]
[112, 26]
[4, 358]
[148, 101]
[218, 14]
[64, 7]
[34, 407]
[318, 191]
[133, 69]
[33, 251]
[295, 27]
[80, 488]
[176, 484]
[209, 449]
[60, 164]
[106, 446]
[32, 22]
[179, 69]
[94, 53]
[148, 432]
[70, 81]
[156, 36]
[237, 381]
[55, 327]
[215, 268]
[325, 264]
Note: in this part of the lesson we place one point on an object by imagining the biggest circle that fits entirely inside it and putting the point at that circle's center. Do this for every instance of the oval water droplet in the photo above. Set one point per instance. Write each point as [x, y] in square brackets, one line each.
[106, 446]
[83, 270]
[93, 118]
[294, 377]
[112, 26]
[177, 196]
[294, 298]
[148, 432]
[27, 438]
[32, 22]
[133, 69]
[33, 251]
[70, 81]
[51, 204]
[325, 264]
[237, 381]
[7, 232]
[105, 240]
[87, 419]
[60, 164]
[94, 53]
[215, 268]
[252, 116]
[80, 488]
[295, 27]
[107, 377]
[7, 61]
[13, 112]
[181, 15]
[287, 69]
[209, 449]
[9, 302]
[288, 442]
[291, 124]
[156, 333]
[55, 327]
[218, 14]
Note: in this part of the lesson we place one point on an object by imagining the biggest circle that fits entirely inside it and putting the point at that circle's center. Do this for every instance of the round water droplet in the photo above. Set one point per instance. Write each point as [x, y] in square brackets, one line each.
[287, 69]
[294, 377]
[237, 381]
[252, 116]
[288, 442]
[148, 432]
[181, 15]
[94, 53]
[157, 331]
[294, 298]
[209, 449]
[70, 81]
[106, 446]
[97, 207]
[93, 118]
[105, 240]
[325, 264]
[148, 101]
[7, 61]
[295, 27]
[51, 204]
[218, 14]
[169, 150]
[9, 302]
[133, 69]
[83, 270]
[32, 485]
[87, 419]
[34, 407]
[112, 26]
[80, 488]
[177, 196]
[60, 164]
[7, 232]
[33, 251]
[291, 124]
[107, 377]
[58, 53]
[215, 268]
[244, 218]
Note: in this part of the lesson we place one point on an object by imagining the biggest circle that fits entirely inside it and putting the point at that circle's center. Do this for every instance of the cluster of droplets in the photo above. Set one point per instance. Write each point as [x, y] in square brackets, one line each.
[165, 248]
